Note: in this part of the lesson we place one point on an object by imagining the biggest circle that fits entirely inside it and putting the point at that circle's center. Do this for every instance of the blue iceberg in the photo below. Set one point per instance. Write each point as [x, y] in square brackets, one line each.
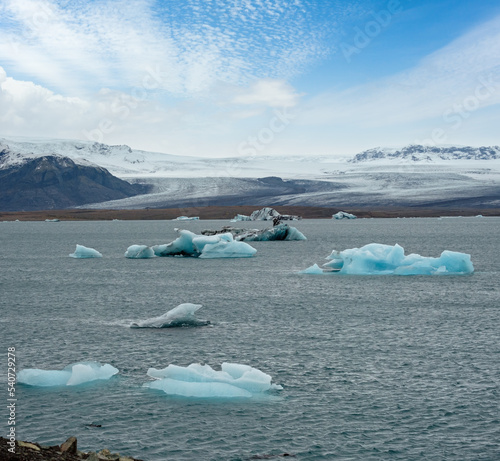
[139, 252]
[201, 381]
[182, 315]
[379, 259]
[72, 375]
[82, 252]
[201, 246]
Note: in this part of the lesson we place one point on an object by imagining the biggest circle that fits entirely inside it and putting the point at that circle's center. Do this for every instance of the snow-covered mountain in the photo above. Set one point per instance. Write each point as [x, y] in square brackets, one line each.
[409, 176]
[419, 153]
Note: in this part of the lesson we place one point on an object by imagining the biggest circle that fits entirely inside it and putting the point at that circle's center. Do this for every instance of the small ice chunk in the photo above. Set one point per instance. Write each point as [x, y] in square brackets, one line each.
[139, 252]
[84, 252]
[72, 375]
[343, 215]
[196, 380]
[314, 269]
[181, 315]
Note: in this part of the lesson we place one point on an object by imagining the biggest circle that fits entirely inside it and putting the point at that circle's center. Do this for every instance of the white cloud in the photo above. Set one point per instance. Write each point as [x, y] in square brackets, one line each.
[76, 46]
[269, 93]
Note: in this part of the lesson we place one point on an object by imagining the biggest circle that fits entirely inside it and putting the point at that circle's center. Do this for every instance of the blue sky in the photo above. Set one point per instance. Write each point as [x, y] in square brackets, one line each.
[251, 77]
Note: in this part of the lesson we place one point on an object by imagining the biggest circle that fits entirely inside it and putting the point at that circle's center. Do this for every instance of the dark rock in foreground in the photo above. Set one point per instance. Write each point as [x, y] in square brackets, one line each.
[28, 451]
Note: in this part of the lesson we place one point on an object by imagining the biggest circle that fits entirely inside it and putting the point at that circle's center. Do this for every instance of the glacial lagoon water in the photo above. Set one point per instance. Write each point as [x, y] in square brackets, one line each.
[372, 367]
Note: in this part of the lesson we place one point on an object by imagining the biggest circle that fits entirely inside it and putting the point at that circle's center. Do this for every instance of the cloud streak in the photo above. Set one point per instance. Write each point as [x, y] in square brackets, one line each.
[75, 46]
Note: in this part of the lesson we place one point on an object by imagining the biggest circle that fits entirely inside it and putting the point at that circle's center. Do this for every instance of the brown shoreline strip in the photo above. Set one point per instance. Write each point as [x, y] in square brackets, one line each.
[229, 212]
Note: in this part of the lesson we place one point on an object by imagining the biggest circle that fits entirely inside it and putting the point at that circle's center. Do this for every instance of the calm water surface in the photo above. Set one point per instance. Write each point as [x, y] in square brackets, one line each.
[373, 367]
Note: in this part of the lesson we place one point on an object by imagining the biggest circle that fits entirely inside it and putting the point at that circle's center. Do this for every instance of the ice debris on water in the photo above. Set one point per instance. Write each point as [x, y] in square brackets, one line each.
[379, 259]
[72, 375]
[182, 315]
[216, 246]
[82, 252]
[314, 269]
[139, 252]
[202, 381]
[343, 215]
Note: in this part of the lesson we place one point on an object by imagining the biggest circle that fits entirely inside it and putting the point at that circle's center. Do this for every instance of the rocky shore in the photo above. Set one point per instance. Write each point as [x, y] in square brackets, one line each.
[68, 451]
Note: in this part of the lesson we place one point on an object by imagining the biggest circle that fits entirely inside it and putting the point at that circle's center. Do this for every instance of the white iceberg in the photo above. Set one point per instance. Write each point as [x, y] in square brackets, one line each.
[216, 246]
[379, 259]
[343, 215]
[241, 217]
[72, 375]
[139, 252]
[202, 381]
[82, 252]
[265, 214]
[182, 315]
[187, 218]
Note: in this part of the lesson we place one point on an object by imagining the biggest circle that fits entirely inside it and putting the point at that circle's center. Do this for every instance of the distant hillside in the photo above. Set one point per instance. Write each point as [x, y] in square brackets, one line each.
[55, 182]
[418, 153]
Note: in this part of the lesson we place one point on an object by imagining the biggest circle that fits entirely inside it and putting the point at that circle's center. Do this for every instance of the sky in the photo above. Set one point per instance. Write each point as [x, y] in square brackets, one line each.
[232, 78]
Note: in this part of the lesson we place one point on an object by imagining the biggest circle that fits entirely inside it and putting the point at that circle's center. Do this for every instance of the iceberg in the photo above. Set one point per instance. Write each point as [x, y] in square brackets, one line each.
[379, 259]
[202, 381]
[72, 375]
[241, 217]
[343, 215]
[182, 315]
[139, 252]
[265, 214]
[187, 218]
[82, 252]
[279, 232]
[205, 247]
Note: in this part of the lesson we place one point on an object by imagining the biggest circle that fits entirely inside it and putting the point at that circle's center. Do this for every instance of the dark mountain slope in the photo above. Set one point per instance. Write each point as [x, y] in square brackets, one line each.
[54, 182]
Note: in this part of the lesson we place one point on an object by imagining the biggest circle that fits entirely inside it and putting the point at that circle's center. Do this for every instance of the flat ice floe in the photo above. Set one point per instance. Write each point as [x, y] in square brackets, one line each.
[216, 246]
[72, 375]
[182, 315]
[82, 252]
[202, 381]
[379, 259]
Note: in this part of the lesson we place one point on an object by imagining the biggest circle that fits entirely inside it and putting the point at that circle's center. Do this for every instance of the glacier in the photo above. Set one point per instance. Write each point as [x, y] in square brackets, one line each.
[72, 375]
[380, 259]
[139, 252]
[205, 247]
[82, 252]
[202, 381]
[182, 315]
